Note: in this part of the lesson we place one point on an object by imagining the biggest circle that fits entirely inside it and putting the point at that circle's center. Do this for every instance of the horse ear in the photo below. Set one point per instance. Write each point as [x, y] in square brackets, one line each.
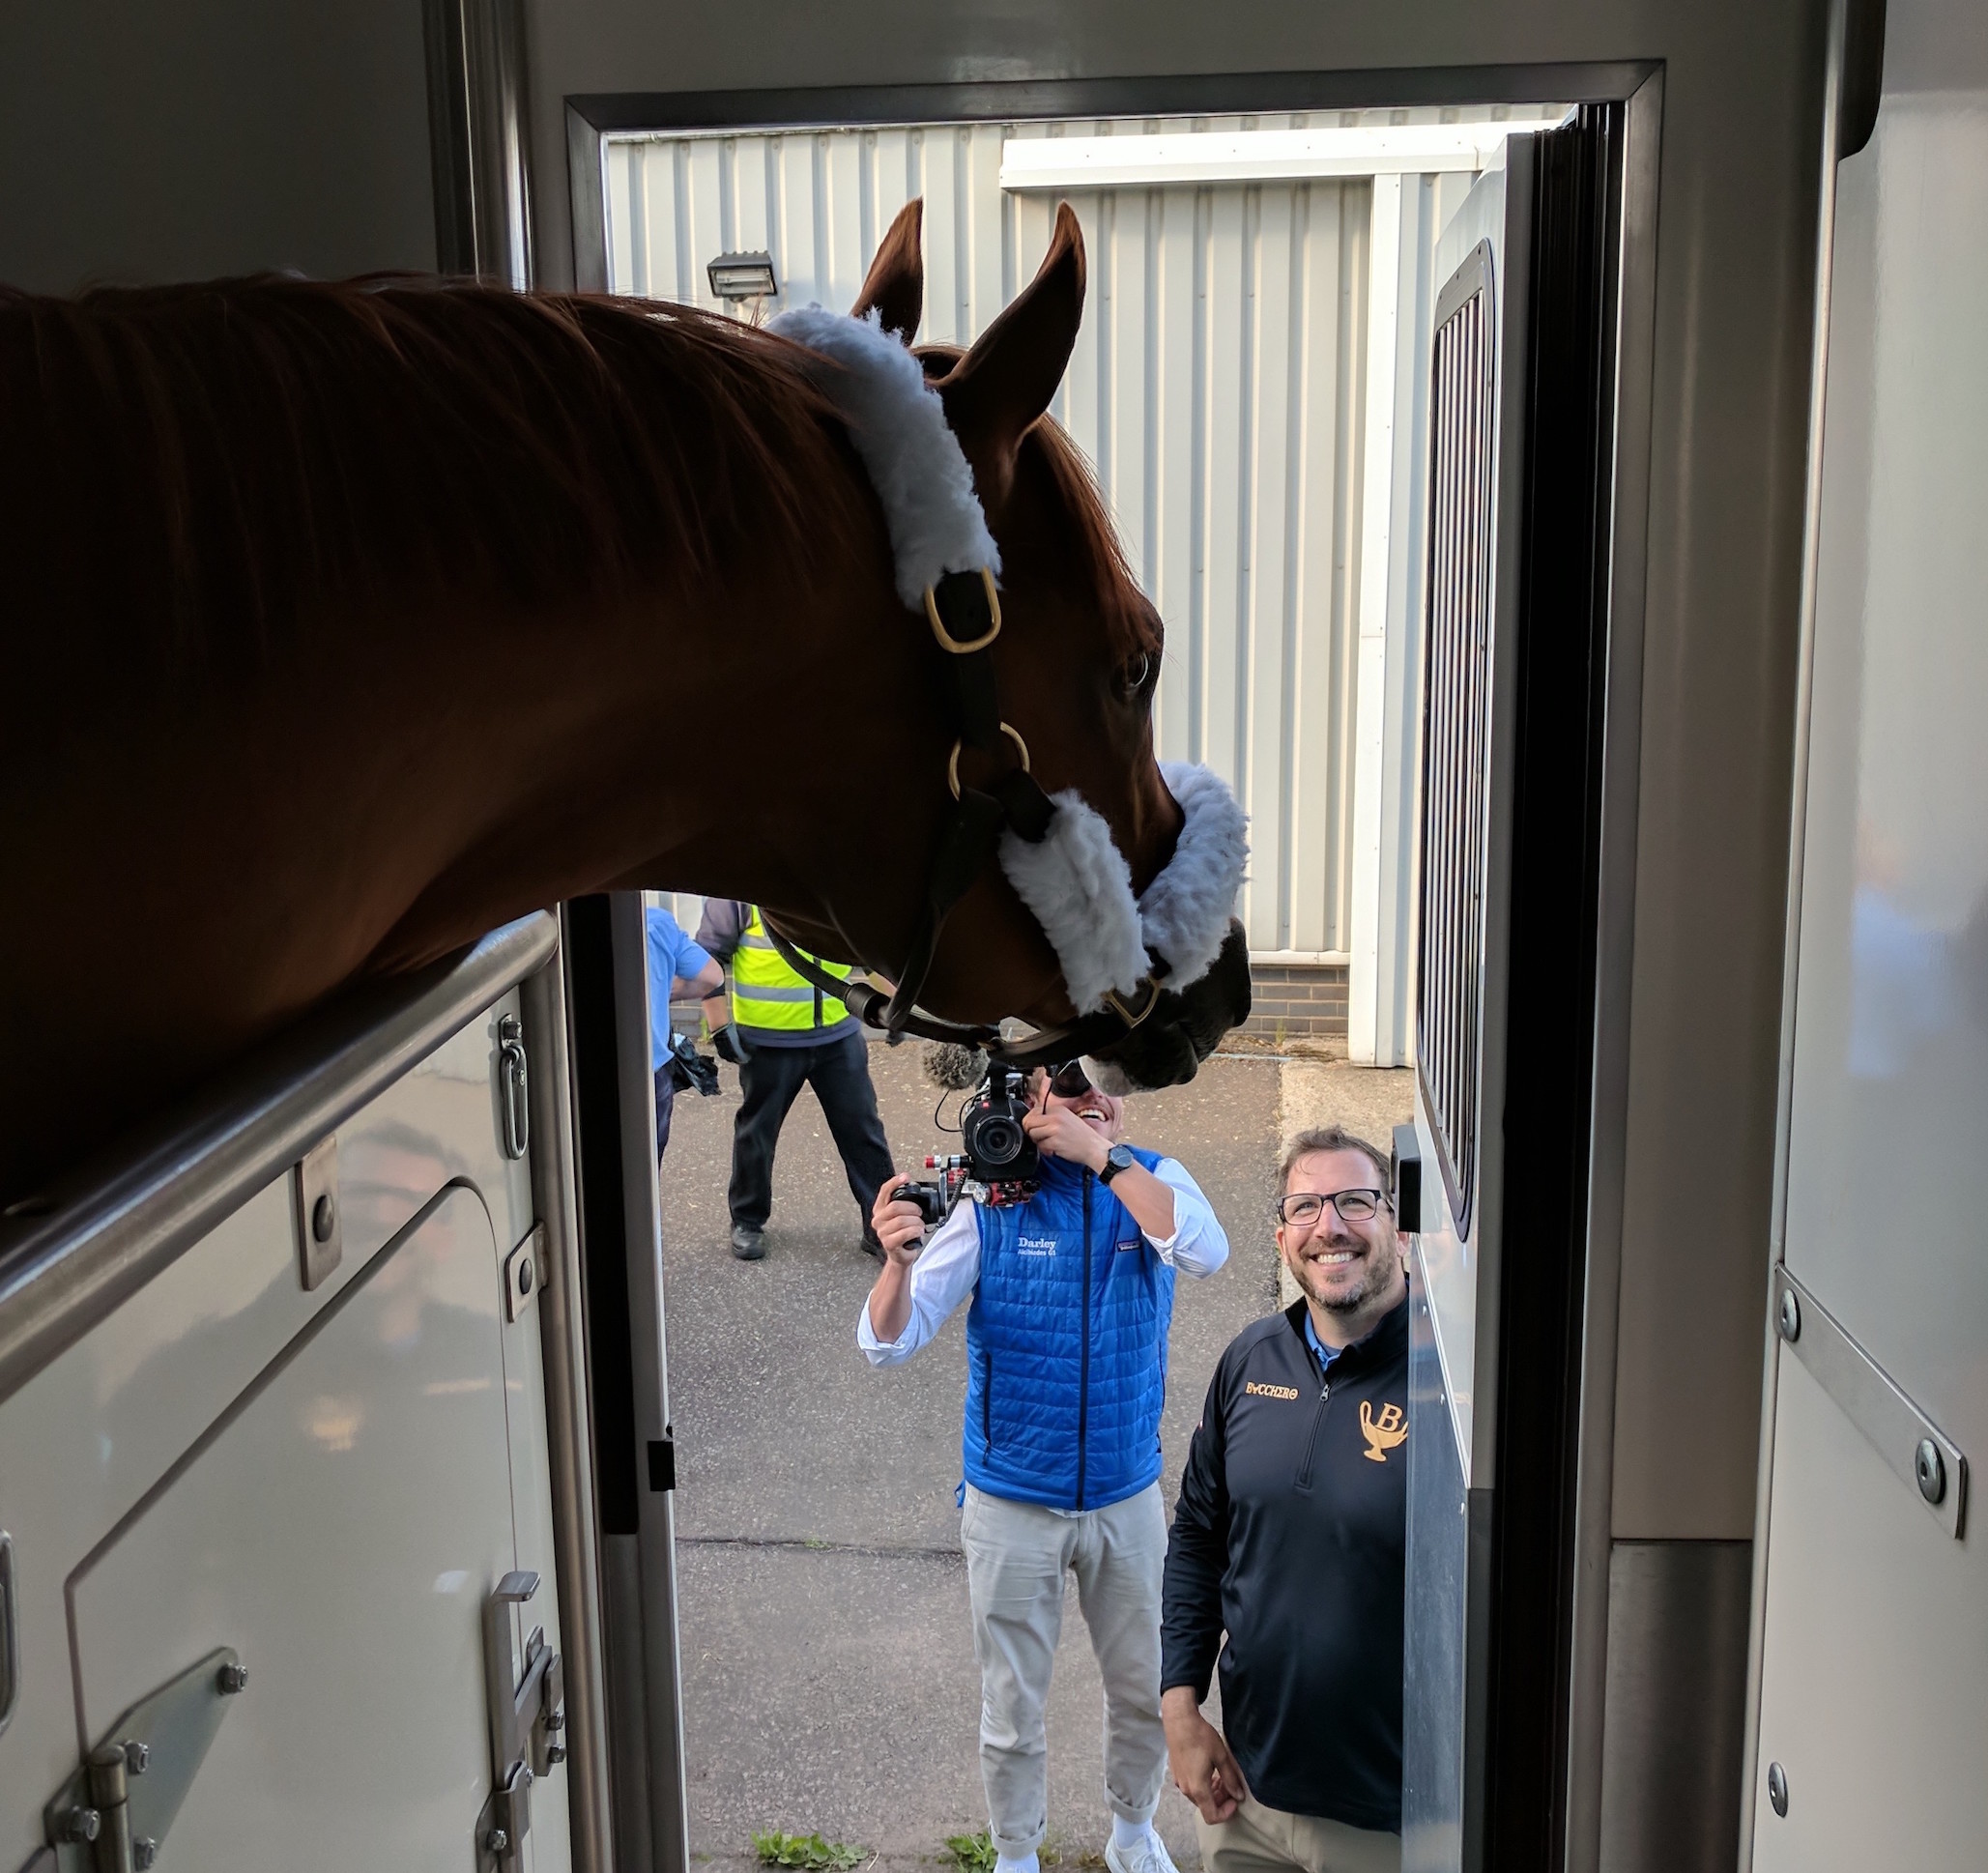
[1006, 381]
[895, 285]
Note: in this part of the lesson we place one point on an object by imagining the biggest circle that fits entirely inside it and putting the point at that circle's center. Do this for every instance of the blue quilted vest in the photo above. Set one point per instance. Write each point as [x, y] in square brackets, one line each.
[1066, 1347]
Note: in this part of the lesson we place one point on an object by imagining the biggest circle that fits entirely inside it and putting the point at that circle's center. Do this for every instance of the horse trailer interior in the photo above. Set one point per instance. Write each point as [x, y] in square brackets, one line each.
[1569, 551]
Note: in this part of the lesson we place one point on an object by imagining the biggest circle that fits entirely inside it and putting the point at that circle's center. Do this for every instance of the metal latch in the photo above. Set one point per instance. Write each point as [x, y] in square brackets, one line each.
[1404, 1179]
[524, 1272]
[513, 1086]
[527, 1725]
[320, 1228]
[111, 1816]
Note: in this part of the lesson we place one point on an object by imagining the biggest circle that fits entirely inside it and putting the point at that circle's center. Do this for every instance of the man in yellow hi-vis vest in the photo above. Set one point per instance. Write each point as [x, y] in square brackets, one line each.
[783, 1033]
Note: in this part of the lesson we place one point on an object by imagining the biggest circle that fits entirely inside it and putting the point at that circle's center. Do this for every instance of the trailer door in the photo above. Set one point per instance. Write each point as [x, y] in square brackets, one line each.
[1873, 1647]
[1515, 691]
[337, 1529]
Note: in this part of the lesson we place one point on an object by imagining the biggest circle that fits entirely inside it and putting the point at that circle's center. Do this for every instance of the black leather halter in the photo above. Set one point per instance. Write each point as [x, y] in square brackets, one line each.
[964, 613]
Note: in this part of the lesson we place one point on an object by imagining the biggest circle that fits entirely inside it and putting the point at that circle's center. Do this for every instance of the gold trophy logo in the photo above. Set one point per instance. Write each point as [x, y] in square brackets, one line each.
[1382, 1433]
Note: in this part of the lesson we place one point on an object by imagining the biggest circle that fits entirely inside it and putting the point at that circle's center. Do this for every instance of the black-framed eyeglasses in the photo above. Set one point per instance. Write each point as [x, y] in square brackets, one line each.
[1069, 1081]
[1304, 1207]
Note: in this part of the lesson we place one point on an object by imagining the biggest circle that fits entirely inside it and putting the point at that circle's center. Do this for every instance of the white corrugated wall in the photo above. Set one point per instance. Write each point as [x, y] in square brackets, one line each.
[1220, 384]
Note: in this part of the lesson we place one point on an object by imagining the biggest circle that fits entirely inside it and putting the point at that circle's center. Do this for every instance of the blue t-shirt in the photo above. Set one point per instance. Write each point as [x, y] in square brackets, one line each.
[671, 954]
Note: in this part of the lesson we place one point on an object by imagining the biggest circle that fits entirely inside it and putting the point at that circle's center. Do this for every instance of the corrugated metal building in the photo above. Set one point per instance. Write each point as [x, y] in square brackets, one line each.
[1250, 381]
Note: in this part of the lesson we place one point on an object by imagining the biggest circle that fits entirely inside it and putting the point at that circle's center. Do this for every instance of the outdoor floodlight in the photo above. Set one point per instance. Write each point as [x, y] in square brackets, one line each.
[739, 277]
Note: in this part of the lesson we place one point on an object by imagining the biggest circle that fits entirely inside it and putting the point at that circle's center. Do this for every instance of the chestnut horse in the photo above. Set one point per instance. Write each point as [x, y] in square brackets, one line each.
[346, 621]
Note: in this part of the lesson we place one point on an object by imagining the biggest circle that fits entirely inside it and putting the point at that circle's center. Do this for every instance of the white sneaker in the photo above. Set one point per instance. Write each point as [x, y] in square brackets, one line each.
[1150, 1856]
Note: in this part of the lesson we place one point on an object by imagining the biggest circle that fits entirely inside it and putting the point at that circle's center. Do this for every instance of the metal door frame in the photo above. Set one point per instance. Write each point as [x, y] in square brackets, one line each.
[1639, 84]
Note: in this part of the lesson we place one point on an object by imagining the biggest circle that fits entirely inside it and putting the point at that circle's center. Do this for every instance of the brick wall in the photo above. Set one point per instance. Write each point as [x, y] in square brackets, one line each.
[1307, 999]
[1298, 999]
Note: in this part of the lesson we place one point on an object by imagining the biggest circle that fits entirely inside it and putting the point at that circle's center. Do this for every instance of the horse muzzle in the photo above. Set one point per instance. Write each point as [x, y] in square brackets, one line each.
[1168, 1047]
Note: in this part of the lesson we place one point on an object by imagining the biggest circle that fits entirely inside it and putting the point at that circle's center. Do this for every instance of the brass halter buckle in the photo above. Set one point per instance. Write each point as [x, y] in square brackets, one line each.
[958, 648]
[1124, 1012]
[1013, 734]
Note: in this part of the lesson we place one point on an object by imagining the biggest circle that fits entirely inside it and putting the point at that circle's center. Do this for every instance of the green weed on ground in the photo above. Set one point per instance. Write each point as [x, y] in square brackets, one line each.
[808, 1852]
[973, 1852]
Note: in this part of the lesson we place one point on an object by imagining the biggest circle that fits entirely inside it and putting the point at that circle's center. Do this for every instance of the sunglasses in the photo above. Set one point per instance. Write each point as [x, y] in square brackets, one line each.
[1069, 1081]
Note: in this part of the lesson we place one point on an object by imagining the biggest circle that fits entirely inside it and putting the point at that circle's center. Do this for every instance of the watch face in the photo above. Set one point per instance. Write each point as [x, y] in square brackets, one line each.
[1120, 1157]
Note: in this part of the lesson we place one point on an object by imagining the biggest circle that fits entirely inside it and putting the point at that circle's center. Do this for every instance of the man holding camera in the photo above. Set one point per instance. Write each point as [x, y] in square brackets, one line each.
[1069, 1264]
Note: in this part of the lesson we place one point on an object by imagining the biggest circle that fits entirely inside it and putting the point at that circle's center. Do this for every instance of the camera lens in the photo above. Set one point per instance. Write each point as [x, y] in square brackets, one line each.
[997, 1141]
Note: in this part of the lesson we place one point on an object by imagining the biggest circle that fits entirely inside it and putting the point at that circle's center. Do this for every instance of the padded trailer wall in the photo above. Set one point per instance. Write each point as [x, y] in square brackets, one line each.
[285, 1431]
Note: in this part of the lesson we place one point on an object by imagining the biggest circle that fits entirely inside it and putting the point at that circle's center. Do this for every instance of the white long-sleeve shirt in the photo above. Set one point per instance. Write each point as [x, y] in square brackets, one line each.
[947, 1270]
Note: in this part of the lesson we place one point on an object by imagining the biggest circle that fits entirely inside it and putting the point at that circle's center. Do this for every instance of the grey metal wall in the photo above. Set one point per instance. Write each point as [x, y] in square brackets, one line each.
[142, 143]
[1217, 385]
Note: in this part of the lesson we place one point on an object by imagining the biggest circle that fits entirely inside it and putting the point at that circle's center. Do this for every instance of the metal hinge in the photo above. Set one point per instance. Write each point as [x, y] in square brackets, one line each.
[527, 1725]
[112, 1814]
[513, 1086]
[1914, 1449]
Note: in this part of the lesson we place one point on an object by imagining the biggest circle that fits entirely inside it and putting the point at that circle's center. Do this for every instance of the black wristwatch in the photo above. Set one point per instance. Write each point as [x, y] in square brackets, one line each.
[1118, 1158]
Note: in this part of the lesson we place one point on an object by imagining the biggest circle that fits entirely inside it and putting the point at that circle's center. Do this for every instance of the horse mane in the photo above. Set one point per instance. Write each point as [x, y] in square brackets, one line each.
[1094, 544]
[189, 473]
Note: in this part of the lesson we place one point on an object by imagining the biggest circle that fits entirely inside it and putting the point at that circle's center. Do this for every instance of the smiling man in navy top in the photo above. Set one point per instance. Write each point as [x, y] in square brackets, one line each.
[1290, 1536]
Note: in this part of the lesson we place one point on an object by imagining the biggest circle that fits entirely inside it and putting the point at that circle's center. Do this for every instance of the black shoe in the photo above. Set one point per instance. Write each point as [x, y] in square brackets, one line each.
[747, 1243]
[874, 1248]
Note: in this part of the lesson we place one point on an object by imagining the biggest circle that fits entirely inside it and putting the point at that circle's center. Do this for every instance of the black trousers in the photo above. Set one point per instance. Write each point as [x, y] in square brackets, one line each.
[771, 1080]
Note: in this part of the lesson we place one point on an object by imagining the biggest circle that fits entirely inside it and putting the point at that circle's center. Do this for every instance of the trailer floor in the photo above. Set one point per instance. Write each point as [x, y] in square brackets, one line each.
[829, 1683]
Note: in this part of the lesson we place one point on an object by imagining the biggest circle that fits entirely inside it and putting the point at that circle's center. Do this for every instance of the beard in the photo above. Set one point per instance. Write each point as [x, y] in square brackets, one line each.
[1345, 1300]
[1373, 1276]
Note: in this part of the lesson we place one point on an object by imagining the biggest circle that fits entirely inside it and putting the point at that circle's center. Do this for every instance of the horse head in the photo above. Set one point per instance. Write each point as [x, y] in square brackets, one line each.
[1075, 666]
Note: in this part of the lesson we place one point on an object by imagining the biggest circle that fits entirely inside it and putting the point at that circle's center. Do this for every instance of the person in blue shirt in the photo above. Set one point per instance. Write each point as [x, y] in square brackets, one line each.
[676, 967]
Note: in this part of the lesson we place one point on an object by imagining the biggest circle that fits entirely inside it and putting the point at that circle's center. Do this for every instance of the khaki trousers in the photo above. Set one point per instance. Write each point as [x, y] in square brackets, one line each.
[1256, 1839]
[1017, 1558]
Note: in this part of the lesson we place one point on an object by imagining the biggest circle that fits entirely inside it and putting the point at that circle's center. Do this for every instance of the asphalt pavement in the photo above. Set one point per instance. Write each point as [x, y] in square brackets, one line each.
[829, 1680]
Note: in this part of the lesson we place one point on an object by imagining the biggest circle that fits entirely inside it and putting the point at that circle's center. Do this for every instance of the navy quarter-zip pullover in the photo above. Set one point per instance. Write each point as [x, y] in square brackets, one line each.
[1290, 1535]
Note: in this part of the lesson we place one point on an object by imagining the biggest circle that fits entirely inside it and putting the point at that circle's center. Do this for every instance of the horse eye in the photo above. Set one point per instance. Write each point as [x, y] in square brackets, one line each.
[1133, 678]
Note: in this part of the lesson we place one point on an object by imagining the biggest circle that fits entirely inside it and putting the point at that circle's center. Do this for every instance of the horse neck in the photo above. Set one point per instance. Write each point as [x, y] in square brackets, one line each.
[697, 737]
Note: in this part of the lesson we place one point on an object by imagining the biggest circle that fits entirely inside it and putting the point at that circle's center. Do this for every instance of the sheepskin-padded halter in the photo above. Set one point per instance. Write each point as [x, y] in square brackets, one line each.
[898, 428]
[1184, 913]
[1078, 886]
